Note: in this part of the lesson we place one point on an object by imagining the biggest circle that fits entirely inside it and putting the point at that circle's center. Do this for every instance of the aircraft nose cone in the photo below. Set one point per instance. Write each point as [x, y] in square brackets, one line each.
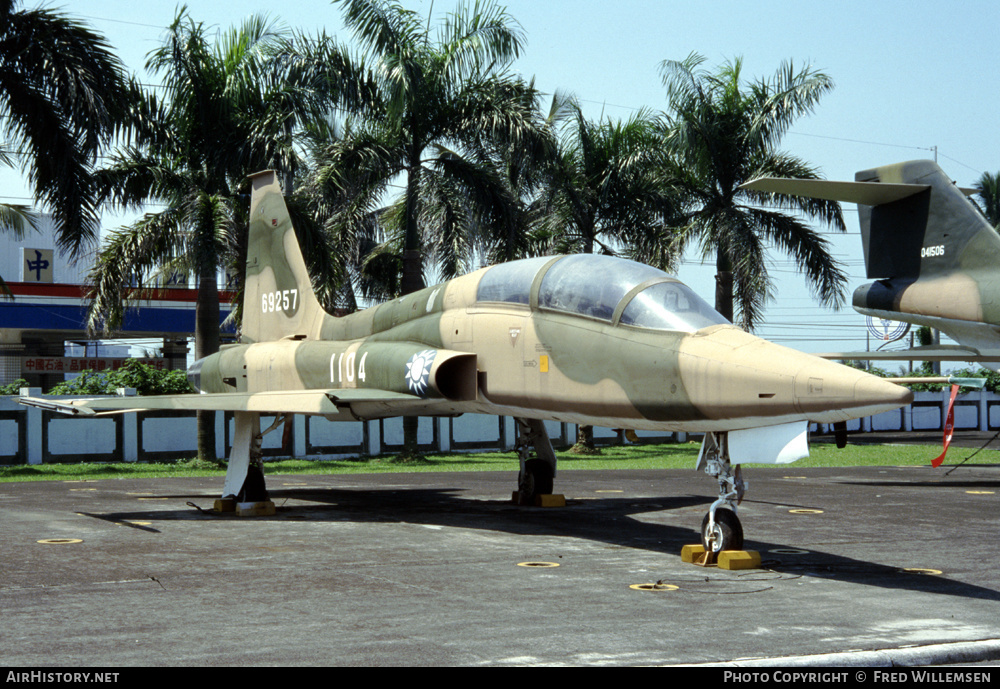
[871, 391]
[832, 392]
[731, 374]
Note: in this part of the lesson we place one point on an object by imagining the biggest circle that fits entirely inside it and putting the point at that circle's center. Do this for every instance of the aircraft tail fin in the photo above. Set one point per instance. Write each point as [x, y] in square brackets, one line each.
[914, 221]
[279, 301]
[926, 233]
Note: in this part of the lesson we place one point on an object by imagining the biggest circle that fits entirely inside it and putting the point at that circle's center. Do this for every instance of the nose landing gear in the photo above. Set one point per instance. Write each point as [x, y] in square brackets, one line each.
[721, 528]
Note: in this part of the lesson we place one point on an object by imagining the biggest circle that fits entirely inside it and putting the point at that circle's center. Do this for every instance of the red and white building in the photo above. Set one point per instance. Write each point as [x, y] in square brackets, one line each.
[47, 316]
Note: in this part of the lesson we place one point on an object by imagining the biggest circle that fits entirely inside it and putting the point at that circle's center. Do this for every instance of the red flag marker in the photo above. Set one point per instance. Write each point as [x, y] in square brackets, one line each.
[949, 426]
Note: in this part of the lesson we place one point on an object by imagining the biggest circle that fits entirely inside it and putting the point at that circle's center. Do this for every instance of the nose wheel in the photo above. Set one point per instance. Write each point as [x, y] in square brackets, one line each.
[724, 532]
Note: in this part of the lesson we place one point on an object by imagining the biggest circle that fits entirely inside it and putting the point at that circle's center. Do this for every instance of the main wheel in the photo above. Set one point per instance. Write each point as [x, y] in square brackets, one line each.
[254, 487]
[535, 479]
[727, 531]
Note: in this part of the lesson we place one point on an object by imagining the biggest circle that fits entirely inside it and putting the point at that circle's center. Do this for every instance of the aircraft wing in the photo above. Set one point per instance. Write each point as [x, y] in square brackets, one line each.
[865, 193]
[330, 403]
[928, 353]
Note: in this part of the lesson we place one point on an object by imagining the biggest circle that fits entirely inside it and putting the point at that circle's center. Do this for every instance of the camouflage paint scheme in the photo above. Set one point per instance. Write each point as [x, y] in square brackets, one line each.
[583, 339]
[930, 250]
[514, 358]
[494, 357]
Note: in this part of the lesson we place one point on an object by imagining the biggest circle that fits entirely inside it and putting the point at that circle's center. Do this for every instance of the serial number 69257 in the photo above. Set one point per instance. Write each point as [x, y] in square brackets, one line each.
[285, 300]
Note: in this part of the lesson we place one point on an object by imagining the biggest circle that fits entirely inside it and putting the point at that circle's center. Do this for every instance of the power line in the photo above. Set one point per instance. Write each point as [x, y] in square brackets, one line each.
[859, 141]
[960, 163]
[817, 136]
[122, 21]
[878, 143]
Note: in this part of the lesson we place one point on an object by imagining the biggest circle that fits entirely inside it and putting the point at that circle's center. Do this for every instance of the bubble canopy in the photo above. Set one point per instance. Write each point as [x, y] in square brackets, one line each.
[605, 288]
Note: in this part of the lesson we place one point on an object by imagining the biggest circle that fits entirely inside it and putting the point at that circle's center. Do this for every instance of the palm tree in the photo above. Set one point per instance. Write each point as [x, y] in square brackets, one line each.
[988, 196]
[521, 230]
[605, 191]
[721, 133]
[447, 107]
[62, 99]
[228, 110]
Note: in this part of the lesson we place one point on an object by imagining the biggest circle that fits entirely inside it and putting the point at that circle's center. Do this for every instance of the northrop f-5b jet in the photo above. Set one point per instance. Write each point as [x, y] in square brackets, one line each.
[584, 339]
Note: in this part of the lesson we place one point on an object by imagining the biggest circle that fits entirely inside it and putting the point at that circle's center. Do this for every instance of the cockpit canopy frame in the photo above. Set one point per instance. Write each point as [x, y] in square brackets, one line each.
[603, 288]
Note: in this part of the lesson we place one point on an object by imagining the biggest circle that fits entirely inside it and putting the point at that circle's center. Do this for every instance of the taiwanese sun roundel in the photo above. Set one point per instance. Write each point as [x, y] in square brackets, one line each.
[418, 371]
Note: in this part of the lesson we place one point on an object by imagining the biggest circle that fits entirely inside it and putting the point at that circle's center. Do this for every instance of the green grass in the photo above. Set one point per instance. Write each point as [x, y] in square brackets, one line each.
[669, 456]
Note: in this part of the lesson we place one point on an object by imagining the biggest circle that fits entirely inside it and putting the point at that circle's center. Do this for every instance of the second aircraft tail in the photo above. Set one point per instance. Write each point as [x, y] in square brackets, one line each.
[915, 222]
[934, 230]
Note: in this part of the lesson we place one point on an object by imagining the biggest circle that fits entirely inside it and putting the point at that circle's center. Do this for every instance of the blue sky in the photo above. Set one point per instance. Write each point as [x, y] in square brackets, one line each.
[909, 76]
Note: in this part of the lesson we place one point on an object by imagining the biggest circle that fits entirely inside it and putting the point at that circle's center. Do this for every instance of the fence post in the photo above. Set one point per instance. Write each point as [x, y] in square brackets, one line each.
[508, 433]
[374, 437]
[299, 422]
[444, 433]
[220, 434]
[130, 430]
[33, 446]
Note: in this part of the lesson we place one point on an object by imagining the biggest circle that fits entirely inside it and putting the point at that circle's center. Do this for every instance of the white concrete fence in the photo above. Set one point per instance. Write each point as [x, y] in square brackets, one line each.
[29, 435]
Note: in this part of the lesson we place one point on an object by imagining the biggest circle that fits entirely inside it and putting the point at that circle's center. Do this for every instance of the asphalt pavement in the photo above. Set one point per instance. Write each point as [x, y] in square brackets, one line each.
[443, 570]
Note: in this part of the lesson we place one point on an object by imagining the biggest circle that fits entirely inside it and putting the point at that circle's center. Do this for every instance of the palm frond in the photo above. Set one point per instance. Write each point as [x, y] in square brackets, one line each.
[130, 258]
[385, 28]
[719, 133]
[988, 197]
[17, 219]
[479, 39]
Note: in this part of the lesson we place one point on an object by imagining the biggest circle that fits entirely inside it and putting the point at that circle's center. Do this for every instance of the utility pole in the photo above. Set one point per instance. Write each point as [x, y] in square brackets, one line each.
[935, 333]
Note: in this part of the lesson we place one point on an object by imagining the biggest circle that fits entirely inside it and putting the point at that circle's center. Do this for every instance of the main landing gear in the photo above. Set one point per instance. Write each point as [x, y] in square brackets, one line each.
[537, 473]
[721, 528]
[245, 485]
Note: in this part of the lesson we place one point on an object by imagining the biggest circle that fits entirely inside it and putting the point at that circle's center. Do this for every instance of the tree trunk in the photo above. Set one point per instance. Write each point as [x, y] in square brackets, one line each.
[206, 342]
[585, 434]
[585, 441]
[411, 449]
[412, 281]
[724, 286]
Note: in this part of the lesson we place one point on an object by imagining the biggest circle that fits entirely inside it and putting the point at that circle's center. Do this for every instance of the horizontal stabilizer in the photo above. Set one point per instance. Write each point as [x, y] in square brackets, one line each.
[864, 193]
[323, 402]
[928, 353]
